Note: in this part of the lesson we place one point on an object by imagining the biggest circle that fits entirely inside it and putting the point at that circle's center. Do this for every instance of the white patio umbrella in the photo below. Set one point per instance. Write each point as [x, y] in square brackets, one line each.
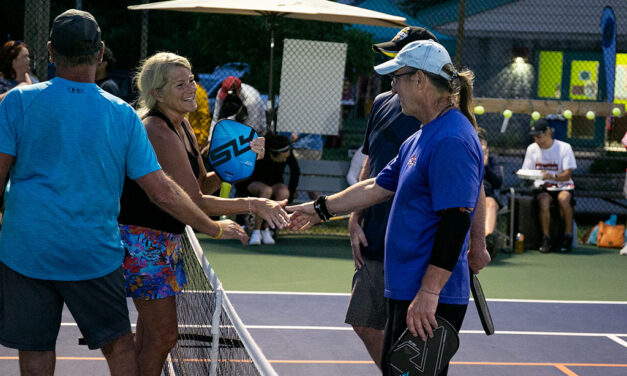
[314, 10]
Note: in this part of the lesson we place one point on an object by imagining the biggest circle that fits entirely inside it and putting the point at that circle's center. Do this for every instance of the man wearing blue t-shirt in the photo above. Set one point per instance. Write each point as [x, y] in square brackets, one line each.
[60, 241]
[435, 182]
[387, 129]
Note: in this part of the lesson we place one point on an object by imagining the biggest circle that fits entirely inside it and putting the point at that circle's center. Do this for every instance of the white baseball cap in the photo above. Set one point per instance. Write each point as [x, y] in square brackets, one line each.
[425, 55]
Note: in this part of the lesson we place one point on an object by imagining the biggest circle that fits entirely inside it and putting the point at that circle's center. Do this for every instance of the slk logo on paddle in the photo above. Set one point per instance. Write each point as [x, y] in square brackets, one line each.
[229, 153]
[231, 149]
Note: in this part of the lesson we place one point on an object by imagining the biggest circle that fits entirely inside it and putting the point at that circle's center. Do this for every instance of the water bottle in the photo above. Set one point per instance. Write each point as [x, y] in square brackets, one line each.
[519, 246]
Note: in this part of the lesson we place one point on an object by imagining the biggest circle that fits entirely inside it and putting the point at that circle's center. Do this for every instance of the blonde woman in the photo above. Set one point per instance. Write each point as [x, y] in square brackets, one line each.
[154, 265]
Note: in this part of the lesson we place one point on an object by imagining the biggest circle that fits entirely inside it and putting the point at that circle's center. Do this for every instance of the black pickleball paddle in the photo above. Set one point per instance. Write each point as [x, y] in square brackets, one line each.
[481, 304]
[412, 356]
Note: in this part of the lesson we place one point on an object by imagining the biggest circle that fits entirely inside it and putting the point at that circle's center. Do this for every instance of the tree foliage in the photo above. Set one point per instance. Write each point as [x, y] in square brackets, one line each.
[208, 40]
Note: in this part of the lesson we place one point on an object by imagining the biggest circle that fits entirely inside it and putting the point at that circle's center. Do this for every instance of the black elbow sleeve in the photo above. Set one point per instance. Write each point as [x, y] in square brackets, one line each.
[449, 239]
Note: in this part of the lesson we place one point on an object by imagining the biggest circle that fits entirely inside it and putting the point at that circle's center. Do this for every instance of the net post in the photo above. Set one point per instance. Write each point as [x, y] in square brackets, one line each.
[215, 328]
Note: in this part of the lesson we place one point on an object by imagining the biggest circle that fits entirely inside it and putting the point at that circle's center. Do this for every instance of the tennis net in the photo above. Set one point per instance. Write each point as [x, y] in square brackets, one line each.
[212, 338]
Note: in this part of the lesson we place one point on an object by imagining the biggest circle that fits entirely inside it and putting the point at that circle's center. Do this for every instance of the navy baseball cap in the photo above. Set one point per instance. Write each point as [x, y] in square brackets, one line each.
[539, 126]
[402, 38]
[75, 33]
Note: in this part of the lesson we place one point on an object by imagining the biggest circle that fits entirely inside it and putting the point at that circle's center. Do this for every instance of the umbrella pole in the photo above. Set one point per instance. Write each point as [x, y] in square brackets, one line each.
[271, 105]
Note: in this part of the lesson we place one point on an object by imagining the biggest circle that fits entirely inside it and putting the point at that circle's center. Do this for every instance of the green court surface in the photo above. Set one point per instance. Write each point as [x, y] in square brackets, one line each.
[305, 263]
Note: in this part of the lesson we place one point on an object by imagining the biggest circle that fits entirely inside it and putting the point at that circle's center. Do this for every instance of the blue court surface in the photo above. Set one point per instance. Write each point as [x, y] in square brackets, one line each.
[304, 334]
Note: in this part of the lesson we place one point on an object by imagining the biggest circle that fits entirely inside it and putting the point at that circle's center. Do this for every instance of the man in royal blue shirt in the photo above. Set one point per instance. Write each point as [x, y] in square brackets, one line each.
[435, 182]
[387, 129]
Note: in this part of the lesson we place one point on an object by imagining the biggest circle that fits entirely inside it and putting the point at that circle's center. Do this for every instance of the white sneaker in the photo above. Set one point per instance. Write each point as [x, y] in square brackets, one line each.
[266, 237]
[255, 238]
[624, 250]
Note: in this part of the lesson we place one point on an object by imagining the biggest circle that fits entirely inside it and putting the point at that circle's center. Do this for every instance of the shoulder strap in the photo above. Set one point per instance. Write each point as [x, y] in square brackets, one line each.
[161, 116]
[190, 139]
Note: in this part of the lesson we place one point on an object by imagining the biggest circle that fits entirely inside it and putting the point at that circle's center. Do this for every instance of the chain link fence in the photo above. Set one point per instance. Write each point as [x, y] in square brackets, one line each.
[36, 34]
[549, 59]
[529, 56]
[532, 59]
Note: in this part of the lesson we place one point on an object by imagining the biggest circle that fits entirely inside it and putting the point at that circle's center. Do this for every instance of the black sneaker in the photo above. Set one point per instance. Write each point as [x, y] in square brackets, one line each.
[545, 247]
[567, 243]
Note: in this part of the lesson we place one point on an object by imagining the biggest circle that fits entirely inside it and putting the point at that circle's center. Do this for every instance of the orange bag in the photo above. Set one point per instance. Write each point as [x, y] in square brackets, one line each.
[610, 236]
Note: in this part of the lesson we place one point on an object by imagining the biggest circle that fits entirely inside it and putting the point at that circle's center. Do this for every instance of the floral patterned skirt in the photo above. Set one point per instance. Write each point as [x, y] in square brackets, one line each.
[153, 266]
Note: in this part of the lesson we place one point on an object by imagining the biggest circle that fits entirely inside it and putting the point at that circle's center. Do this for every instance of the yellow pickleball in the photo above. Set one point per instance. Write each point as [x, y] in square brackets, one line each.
[590, 115]
[479, 110]
[507, 114]
[535, 115]
[568, 114]
[616, 111]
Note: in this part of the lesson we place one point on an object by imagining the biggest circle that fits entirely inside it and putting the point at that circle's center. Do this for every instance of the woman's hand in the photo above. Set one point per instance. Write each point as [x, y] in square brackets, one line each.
[231, 230]
[271, 211]
[258, 146]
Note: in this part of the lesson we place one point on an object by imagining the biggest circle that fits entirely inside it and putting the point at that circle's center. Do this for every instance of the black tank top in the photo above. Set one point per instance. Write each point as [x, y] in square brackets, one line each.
[136, 207]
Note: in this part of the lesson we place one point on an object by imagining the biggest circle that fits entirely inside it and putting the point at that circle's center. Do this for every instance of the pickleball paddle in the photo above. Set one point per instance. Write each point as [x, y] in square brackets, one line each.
[230, 155]
[481, 304]
[412, 356]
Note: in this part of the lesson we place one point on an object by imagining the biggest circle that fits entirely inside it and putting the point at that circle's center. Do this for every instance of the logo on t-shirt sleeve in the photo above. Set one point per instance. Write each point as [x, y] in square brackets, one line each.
[412, 161]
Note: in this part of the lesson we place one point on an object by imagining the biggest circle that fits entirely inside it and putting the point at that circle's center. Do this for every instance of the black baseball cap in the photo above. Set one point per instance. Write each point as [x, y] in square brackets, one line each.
[406, 35]
[75, 33]
[277, 143]
[539, 126]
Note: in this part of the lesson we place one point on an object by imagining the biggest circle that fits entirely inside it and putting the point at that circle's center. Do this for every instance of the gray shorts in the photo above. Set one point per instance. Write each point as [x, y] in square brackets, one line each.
[367, 306]
[30, 309]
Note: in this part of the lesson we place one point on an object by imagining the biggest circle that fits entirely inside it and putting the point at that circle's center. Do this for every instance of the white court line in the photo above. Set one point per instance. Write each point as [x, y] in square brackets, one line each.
[559, 301]
[613, 336]
[490, 300]
[289, 293]
[618, 340]
[503, 332]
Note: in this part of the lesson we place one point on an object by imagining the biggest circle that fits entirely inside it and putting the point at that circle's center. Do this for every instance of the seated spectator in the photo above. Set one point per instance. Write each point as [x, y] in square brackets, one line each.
[556, 160]
[307, 146]
[624, 142]
[357, 162]
[492, 180]
[255, 111]
[103, 69]
[267, 182]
